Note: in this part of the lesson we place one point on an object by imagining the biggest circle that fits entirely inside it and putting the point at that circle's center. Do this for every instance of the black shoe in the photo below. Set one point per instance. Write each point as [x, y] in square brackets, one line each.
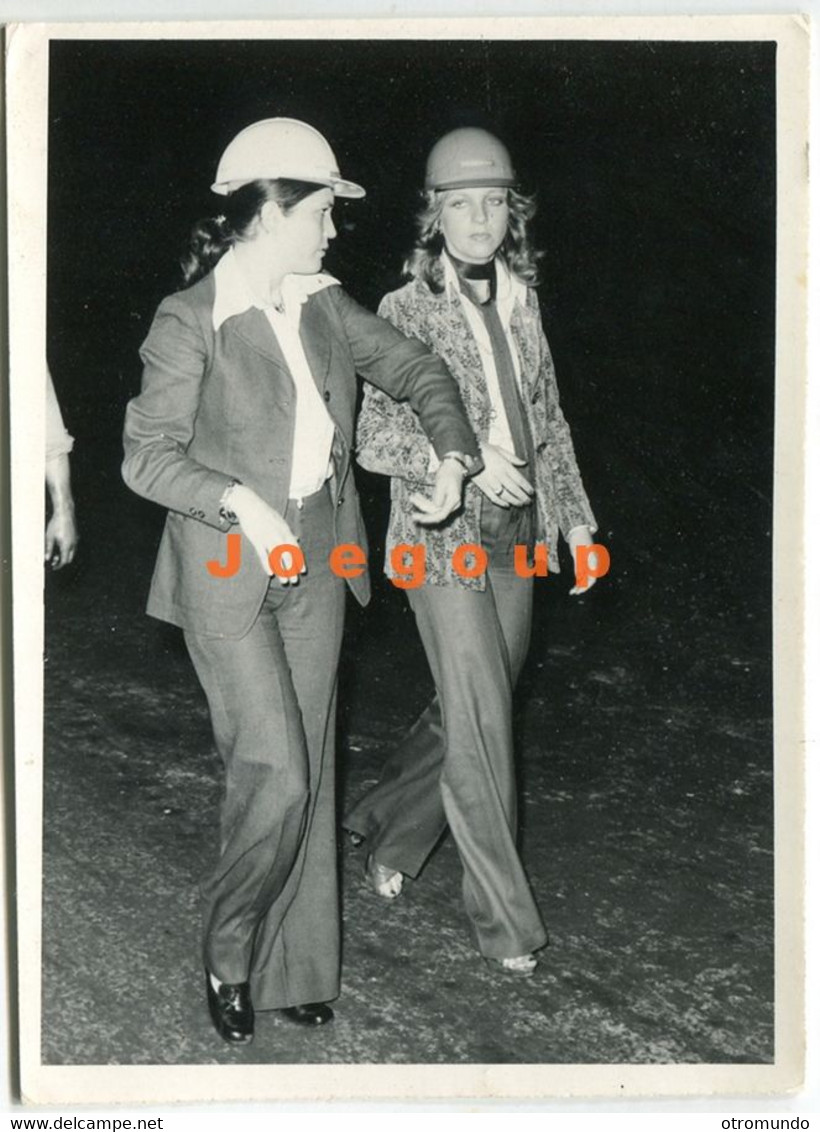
[231, 1010]
[311, 1014]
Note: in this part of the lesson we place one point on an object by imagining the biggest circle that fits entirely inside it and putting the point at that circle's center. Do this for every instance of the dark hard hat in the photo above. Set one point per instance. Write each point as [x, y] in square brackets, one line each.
[469, 158]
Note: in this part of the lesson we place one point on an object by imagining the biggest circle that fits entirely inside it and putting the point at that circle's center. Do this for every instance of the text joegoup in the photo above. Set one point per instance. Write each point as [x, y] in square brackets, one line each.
[408, 562]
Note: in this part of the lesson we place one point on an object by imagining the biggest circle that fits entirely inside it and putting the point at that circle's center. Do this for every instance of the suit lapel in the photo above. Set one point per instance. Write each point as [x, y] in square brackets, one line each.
[255, 331]
[524, 330]
[313, 331]
[455, 332]
[317, 342]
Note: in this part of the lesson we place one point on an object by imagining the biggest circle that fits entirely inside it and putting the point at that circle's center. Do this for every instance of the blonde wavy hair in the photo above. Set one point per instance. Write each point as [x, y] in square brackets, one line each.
[517, 251]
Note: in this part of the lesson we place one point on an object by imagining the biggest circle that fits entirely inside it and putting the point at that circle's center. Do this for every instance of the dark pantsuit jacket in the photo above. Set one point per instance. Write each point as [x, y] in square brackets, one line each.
[218, 404]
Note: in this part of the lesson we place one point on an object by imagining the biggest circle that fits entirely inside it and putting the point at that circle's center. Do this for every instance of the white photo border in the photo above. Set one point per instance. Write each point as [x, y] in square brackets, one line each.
[27, 119]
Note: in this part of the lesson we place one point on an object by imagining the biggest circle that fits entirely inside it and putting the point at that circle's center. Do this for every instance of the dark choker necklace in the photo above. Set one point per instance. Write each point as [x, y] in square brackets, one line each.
[473, 271]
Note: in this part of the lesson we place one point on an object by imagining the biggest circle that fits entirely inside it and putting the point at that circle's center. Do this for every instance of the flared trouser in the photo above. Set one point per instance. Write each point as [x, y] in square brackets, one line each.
[270, 903]
[455, 766]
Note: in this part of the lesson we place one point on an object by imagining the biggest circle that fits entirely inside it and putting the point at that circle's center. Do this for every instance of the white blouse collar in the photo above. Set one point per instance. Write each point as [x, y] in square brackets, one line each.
[233, 296]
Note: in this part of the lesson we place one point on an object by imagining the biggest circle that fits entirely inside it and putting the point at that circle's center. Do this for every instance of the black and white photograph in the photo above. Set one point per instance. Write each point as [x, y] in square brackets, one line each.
[406, 441]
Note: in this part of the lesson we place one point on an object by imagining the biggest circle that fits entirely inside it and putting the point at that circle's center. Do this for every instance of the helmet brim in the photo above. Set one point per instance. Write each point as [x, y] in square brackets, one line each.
[474, 183]
[340, 188]
[347, 189]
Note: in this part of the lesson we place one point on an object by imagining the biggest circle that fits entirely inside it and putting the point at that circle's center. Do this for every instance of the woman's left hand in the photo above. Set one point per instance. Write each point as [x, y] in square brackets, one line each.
[501, 480]
[447, 493]
[578, 537]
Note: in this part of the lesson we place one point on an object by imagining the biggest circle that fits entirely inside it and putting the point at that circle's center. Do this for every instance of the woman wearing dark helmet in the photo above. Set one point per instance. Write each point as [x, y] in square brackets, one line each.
[243, 430]
[471, 298]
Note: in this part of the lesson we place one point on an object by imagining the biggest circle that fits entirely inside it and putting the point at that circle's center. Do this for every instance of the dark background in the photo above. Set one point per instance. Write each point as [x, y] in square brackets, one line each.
[645, 710]
[654, 165]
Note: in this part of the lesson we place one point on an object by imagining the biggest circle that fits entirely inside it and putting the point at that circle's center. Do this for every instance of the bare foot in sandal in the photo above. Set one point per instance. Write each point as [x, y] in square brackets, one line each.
[522, 966]
[384, 881]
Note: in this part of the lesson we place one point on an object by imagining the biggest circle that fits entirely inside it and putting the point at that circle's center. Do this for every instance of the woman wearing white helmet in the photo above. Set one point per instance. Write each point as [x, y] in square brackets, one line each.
[471, 298]
[243, 431]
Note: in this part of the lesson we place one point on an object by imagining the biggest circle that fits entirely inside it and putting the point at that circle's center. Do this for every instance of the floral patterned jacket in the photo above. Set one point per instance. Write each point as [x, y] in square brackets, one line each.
[391, 441]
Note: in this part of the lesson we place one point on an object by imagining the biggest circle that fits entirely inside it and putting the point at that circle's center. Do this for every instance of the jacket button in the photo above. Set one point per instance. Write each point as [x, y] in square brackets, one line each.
[340, 501]
[327, 394]
[542, 447]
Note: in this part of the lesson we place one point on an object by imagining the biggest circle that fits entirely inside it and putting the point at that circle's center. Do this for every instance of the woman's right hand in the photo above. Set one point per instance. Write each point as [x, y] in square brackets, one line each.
[61, 537]
[500, 479]
[265, 529]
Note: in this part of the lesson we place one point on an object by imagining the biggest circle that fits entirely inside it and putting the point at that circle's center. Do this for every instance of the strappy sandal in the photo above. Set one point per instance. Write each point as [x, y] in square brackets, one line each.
[519, 966]
[383, 880]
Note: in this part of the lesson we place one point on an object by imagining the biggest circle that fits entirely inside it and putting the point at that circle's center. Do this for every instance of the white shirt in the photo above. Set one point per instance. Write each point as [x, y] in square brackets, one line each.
[509, 291]
[58, 440]
[313, 427]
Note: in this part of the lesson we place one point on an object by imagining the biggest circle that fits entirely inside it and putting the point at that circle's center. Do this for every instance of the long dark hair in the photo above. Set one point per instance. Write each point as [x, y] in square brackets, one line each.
[210, 238]
[517, 252]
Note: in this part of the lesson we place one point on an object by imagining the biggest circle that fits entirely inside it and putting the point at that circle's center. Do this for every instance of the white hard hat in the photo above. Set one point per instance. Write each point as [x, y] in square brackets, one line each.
[280, 147]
